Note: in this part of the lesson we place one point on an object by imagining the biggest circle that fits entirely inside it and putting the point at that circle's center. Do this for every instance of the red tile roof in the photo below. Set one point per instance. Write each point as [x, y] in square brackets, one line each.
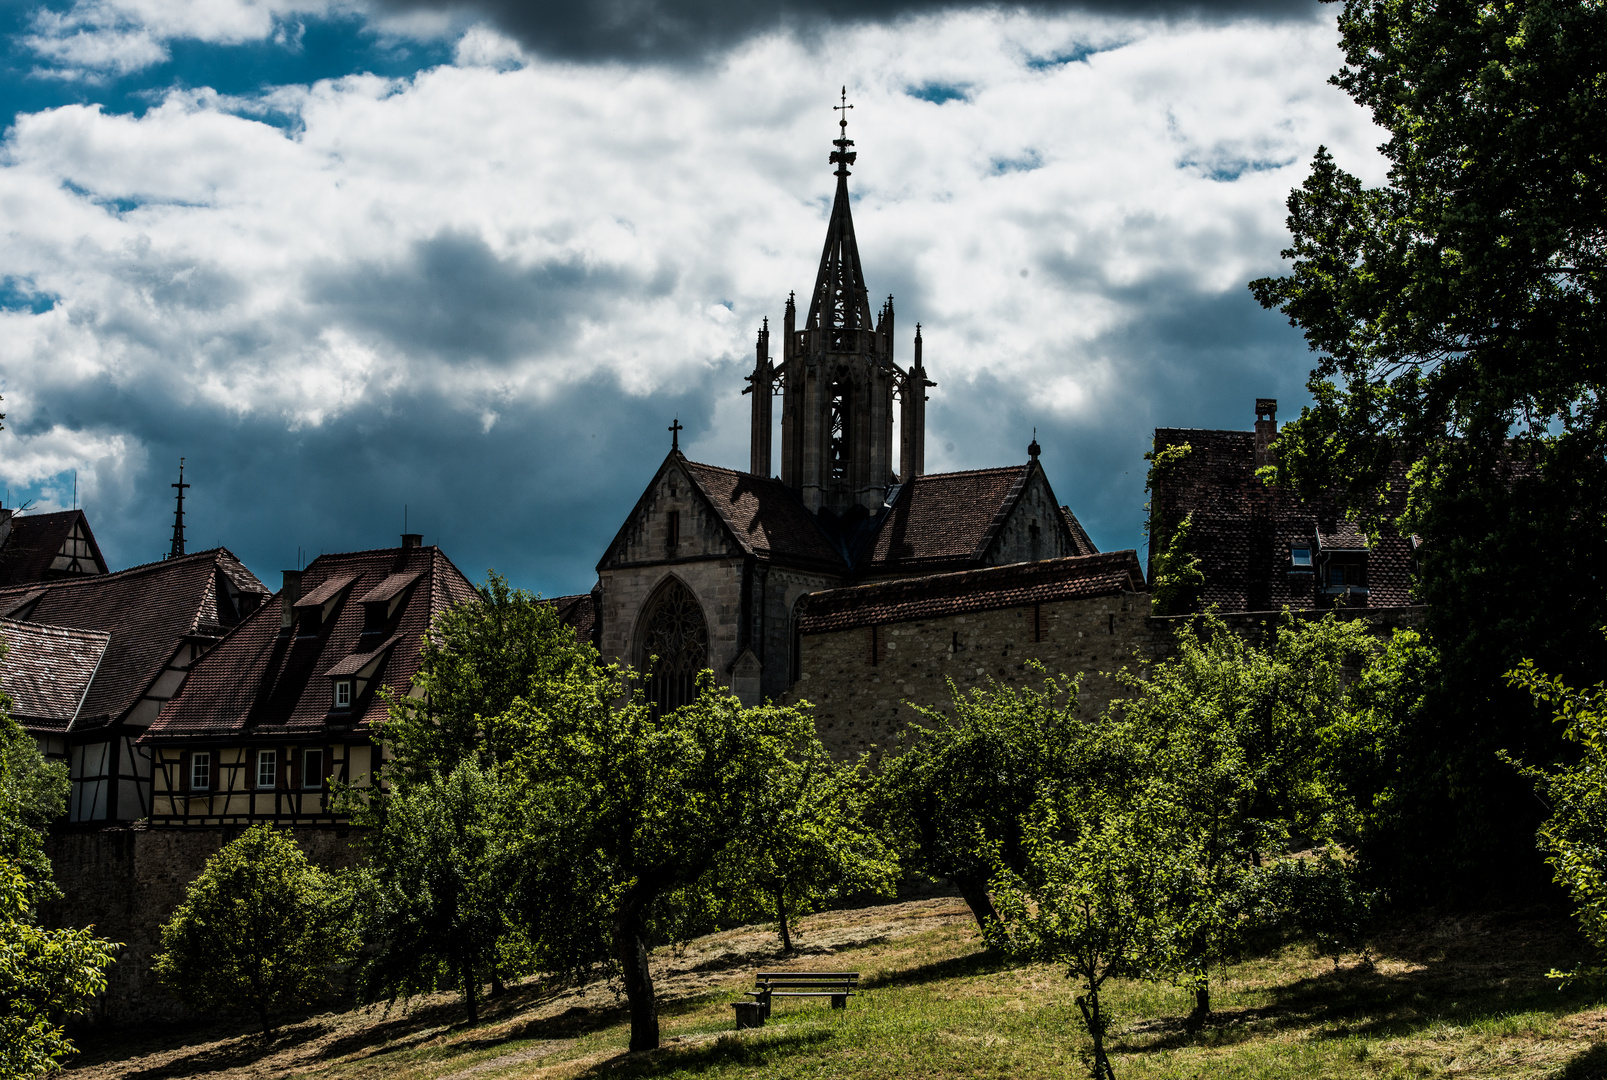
[1243, 530]
[1080, 542]
[766, 516]
[35, 539]
[944, 520]
[1011, 585]
[258, 684]
[47, 670]
[581, 612]
[148, 611]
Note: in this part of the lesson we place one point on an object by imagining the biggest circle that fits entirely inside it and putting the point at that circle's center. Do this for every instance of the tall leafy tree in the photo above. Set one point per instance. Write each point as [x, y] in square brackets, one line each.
[954, 800]
[630, 813]
[439, 885]
[1457, 313]
[260, 929]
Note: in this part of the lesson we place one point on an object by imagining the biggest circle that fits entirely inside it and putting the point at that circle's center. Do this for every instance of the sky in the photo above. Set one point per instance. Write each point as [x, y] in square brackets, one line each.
[459, 265]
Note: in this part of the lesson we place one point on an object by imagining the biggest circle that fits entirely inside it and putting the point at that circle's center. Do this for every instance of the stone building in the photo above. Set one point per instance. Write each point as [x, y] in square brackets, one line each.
[1260, 546]
[709, 567]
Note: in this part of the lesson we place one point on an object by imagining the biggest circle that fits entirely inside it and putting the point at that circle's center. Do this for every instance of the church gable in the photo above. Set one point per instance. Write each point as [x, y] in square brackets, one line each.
[672, 521]
[1032, 527]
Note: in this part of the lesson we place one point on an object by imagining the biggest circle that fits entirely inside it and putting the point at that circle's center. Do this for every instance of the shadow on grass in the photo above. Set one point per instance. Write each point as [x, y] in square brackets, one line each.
[1590, 1065]
[982, 962]
[752, 1052]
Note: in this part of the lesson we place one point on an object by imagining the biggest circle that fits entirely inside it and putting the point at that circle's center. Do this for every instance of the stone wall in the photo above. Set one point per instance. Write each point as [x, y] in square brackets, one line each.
[126, 882]
[861, 703]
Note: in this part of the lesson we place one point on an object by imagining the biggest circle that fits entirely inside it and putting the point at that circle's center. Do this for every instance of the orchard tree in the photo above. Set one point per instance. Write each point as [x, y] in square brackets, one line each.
[259, 929]
[439, 884]
[811, 843]
[1457, 313]
[631, 813]
[954, 800]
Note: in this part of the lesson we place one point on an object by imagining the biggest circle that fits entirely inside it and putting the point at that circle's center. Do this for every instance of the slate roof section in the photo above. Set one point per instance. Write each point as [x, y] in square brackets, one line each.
[1243, 530]
[35, 539]
[944, 520]
[939, 595]
[47, 670]
[148, 611]
[261, 686]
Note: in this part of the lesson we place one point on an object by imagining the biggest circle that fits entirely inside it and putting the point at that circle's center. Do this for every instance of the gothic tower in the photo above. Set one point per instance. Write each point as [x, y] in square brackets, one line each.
[839, 381]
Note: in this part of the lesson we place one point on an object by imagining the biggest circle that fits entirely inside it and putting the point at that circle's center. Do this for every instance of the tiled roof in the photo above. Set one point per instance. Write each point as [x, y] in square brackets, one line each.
[34, 541]
[943, 520]
[47, 670]
[1243, 530]
[1011, 585]
[765, 515]
[1080, 542]
[259, 684]
[579, 611]
[148, 610]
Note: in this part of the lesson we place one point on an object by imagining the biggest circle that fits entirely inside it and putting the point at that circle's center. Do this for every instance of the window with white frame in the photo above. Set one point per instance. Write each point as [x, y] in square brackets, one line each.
[201, 770]
[343, 694]
[1300, 558]
[267, 768]
[312, 769]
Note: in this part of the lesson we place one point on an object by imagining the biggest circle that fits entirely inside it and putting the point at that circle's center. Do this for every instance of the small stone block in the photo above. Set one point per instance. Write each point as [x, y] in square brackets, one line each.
[750, 1014]
[839, 1001]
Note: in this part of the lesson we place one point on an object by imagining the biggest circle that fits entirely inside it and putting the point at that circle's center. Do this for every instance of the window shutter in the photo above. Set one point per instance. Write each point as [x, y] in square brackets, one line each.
[183, 779]
[290, 774]
[214, 776]
[329, 766]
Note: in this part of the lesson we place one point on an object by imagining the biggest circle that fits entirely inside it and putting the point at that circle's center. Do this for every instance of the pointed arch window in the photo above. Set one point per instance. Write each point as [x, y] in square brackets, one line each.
[837, 452]
[674, 631]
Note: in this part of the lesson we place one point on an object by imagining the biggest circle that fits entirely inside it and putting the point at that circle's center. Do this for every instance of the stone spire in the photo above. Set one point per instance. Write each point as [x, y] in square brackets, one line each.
[841, 303]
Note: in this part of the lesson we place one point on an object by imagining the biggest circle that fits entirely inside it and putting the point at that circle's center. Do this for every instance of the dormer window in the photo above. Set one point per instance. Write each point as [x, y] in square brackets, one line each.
[1300, 558]
[343, 693]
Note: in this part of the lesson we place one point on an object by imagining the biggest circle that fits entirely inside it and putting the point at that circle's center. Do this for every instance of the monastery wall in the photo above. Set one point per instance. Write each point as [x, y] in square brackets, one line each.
[717, 584]
[861, 704]
[127, 882]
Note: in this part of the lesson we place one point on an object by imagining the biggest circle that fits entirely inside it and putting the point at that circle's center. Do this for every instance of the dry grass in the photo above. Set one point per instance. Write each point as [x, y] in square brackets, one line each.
[1447, 998]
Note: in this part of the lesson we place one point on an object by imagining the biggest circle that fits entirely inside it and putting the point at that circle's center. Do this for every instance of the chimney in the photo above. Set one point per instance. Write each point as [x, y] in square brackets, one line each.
[412, 540]
[1266, 431]
[288, 595]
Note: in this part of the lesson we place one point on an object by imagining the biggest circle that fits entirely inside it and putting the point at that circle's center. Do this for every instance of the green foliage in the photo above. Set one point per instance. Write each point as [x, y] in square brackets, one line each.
[1228, 735]
[1103, 876]
[1457, 316]
[630, 816]
[1575, 836]
[259, 929]
[45, 975]
[478, 658]
[810, 844]
[1178, 580]
[1325, 899]
[953, 802]
[33, 793]
[437, 888]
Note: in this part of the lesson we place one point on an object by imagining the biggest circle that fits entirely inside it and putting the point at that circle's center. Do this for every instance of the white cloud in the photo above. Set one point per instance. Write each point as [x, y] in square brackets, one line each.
[493, 231]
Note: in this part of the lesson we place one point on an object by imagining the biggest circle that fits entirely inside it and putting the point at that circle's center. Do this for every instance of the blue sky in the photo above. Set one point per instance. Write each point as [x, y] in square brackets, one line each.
[471, 259]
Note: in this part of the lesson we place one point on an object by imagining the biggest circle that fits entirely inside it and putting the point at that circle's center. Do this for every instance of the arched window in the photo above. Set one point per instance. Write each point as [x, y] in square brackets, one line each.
[837, 449]
[673, 630]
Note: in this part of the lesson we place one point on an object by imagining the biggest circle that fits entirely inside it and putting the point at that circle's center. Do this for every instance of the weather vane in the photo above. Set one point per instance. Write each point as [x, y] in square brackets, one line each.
[843, 157]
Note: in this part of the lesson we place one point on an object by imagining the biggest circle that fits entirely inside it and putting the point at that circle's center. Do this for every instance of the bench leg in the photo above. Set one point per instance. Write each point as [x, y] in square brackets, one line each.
[839, 1001]
[764, 1003]
[749, 1014]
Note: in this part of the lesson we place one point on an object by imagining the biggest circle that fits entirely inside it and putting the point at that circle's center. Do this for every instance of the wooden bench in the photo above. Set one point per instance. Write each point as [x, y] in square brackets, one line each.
[837, 985]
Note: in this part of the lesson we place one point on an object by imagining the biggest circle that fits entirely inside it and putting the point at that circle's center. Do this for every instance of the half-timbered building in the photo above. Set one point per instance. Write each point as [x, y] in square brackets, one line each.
[92, 658]
[47, 547]
[290, 699]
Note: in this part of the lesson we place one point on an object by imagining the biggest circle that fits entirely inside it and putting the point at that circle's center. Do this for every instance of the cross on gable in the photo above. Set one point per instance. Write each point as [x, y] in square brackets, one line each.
[675, 430]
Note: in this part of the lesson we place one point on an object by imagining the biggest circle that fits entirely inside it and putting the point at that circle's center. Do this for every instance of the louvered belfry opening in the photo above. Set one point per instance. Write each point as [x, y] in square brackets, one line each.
[675, 646]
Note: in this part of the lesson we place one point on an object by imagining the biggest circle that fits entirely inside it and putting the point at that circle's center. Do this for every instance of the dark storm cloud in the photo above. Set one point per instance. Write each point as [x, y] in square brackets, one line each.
[689, 29]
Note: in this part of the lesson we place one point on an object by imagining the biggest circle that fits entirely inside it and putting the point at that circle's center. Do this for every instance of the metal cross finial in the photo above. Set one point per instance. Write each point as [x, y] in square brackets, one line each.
[842, 157]
[675, 435]
[843, 108]
[178, 517]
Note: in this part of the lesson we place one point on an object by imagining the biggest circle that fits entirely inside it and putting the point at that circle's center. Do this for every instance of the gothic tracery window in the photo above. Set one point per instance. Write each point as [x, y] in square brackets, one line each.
[674, 631]
[837, 450]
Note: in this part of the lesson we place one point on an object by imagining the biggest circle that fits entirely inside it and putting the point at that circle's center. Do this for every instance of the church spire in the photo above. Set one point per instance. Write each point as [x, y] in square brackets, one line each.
[840, 302]
[178, 516]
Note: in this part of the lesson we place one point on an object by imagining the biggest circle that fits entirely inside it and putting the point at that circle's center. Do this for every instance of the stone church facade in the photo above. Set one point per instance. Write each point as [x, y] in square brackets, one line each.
[712, 565]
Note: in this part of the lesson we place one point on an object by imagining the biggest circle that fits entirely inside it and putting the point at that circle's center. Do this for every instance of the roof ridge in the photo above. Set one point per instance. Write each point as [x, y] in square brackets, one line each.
[127, 571]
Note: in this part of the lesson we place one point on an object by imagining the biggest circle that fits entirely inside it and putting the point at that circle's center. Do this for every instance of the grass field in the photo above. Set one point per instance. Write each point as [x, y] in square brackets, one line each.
[1449, 997]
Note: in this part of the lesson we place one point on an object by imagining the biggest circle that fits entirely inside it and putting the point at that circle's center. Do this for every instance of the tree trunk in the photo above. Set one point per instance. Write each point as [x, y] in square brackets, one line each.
[630, 949]
[781, 920]
[1202, 1007]
[267, 1029]
[497, 985]
[1096, 1021]
[975, 892]
[471, 991]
